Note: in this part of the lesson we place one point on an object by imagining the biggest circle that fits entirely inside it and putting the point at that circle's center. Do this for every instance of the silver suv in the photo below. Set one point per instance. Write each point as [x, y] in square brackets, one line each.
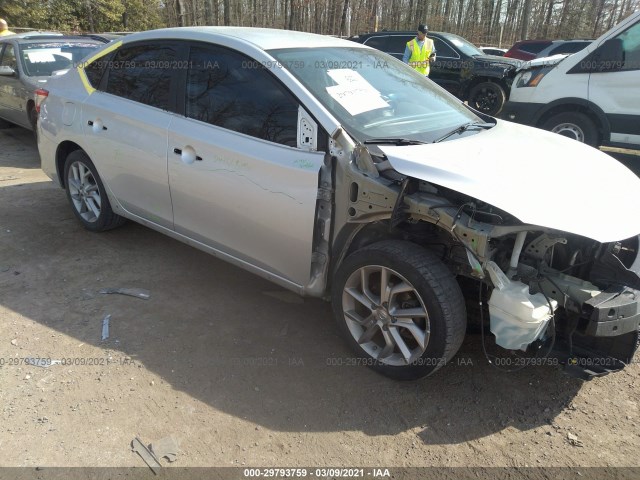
[337, 171]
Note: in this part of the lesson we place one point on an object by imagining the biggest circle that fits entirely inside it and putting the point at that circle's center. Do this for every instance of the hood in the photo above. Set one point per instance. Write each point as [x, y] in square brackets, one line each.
[498, 61]
[539, 177]
[543, 61]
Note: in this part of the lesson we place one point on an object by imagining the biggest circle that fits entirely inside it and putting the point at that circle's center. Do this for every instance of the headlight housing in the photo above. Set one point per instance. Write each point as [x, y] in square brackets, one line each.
[531, 78]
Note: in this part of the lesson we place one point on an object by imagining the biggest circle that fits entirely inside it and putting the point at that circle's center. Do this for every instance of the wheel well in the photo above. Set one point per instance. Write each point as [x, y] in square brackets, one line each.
[372, 233]
[379, 231]
[63, 151]
[572, 107]
[30, 106]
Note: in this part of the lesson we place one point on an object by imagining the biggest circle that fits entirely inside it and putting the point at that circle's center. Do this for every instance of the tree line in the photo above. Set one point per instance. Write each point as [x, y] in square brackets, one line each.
[487, 22]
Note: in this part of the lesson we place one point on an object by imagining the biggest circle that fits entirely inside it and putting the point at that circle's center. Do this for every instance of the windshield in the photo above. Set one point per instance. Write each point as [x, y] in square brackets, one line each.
[42, 59]
[373, 95]
[465, 46]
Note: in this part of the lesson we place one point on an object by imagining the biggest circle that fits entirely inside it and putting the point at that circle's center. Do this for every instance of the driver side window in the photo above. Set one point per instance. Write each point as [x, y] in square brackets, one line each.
[631, 47]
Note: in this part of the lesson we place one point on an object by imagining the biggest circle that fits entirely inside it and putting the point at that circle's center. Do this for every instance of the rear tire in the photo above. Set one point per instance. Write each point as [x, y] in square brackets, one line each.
[87, 195]
[574, 125]
[487, 97]
[399, 308]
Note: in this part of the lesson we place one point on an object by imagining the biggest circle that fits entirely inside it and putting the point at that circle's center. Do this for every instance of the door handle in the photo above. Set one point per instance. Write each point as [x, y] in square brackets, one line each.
[188, 155]
[97, 125]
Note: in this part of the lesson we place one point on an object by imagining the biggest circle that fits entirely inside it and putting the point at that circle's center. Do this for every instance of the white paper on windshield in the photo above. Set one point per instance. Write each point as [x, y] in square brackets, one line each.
[353, 92]
[39, 57]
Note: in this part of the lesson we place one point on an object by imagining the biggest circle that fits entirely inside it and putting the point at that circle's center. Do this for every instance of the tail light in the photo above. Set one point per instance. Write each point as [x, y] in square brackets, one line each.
[40, 95]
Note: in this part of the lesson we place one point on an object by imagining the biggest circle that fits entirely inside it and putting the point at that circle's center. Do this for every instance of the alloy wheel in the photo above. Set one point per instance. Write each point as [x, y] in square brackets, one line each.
[385, 315]
[84, 191]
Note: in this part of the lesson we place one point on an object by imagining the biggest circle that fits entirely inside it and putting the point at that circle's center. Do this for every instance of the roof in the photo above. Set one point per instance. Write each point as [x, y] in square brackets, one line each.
[262, 38]
[398, 32]
[52, 38]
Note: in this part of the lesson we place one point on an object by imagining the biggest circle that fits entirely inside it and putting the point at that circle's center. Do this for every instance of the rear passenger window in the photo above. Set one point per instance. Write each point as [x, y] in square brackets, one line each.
[389, 43]
[95, 70]
[227, 89]
[143, 74]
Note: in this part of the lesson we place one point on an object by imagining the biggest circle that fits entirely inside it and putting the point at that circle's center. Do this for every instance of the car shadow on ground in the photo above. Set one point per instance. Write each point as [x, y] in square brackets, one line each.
[239, 343]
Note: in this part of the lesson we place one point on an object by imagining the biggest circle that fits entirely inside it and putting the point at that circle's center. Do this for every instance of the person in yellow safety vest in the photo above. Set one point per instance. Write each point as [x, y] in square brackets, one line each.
[420, 51]
[4, 28]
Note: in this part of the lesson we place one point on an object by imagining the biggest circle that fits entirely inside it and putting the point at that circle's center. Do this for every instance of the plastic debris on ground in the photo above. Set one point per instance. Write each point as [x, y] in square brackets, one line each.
[165, 448]
[131, 292]
[148, 457]
[105, 327]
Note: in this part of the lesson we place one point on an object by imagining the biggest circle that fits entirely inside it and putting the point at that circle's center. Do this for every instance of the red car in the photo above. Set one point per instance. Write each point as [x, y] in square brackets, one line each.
[530, 49]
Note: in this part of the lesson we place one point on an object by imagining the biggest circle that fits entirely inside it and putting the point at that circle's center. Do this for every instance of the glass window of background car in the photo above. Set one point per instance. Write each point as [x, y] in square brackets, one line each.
[227, 89]
[534, 47]
[444, 50]
[143, 73]
[42, 59]
[389, 43]
[398, 102]
[569, 47]
[631, 46]
[463, 45]
[9, 57]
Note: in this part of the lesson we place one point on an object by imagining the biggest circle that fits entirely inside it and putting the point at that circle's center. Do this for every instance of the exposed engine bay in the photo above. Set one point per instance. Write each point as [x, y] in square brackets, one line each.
[577, 297]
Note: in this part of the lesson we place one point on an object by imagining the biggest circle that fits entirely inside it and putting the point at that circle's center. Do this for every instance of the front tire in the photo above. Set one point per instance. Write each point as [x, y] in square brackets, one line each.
[87, 195]
[574, 125]
[487, 97]
[399, 308]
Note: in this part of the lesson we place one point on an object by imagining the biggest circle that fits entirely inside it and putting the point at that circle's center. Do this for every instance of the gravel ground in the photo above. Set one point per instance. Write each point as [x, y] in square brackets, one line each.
[240, 372]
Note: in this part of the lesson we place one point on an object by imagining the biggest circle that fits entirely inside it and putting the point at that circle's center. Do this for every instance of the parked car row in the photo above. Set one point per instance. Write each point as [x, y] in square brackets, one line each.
[460, 67]
[297, 157]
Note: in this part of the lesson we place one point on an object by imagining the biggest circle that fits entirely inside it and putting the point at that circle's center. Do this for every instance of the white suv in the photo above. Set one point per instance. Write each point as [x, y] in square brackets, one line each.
[591, 96]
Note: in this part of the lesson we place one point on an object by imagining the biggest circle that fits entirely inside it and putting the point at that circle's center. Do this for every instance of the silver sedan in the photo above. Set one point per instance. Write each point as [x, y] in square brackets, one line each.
[27, 61]
[339, 172]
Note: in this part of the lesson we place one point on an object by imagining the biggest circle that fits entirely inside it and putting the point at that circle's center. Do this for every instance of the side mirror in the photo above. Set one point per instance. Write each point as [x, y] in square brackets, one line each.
[7, 71]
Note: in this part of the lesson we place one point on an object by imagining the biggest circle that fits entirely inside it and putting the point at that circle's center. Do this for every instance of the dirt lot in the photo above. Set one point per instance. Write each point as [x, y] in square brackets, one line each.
[240, 372]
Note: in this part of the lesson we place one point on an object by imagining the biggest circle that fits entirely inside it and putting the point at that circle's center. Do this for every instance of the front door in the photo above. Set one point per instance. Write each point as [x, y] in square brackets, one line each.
[616, 90]
[238, 182]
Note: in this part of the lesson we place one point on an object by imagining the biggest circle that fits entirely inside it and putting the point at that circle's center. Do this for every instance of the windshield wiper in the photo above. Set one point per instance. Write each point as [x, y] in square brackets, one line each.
[464, 128]
[392, 141]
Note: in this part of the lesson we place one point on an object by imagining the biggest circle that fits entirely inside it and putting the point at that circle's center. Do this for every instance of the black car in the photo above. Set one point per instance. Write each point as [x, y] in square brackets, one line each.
[460, 67]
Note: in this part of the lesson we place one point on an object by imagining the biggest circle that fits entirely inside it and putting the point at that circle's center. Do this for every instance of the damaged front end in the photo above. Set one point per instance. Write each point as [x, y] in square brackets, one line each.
[541, 288]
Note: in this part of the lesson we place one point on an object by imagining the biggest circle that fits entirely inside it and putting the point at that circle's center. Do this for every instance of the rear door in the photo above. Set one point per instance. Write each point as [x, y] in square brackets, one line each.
[239, 183]
[126, 122]
[616, 90]
[447, 70]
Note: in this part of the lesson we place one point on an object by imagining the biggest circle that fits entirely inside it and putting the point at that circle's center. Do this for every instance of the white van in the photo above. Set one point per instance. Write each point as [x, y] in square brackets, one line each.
[592, 96]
